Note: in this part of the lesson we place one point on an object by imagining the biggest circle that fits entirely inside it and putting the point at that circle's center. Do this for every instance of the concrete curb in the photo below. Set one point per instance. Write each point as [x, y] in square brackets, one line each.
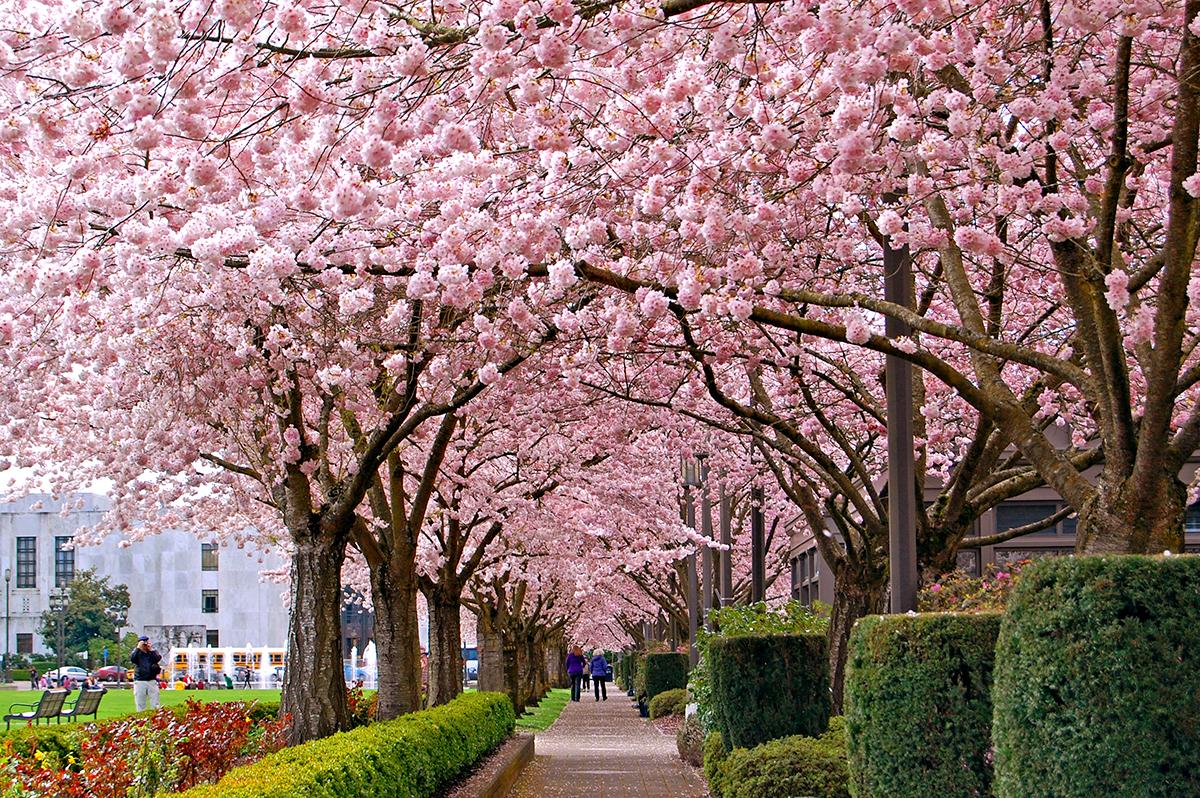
[510, 771]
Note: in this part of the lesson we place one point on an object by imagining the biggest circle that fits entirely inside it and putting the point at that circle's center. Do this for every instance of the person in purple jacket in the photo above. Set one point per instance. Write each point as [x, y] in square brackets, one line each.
[599, 668]
[575, 665]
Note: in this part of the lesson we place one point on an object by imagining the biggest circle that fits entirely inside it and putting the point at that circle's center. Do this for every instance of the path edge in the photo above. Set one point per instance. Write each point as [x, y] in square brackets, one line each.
[511, 770]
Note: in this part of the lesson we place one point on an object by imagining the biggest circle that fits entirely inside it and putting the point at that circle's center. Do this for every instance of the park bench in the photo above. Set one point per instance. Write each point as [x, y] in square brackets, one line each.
[88, 703]
[50, 706]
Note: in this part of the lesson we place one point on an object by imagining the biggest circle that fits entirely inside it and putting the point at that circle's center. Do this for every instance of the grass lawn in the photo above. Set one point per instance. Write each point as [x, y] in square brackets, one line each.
[120, 702]
[540, 717]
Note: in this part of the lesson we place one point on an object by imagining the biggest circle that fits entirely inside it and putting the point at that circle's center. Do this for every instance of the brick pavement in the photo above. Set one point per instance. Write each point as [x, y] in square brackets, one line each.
[606, 750]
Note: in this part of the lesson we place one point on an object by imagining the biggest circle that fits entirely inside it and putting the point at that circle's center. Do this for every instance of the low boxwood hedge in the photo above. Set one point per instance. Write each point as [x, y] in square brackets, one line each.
[662, 672]
[1098, 680]
[919, 704]
[814, 767]
[669, 702]
[414, 756]
[768, 687]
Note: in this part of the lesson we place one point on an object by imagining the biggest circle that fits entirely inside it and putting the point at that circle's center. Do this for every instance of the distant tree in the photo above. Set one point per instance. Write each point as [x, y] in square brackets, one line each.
[95, 609]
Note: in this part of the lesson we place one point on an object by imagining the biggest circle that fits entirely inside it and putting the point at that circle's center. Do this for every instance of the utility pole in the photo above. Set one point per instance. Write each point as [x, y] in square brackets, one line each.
[727, 551]
[706, 554]
[902, 510]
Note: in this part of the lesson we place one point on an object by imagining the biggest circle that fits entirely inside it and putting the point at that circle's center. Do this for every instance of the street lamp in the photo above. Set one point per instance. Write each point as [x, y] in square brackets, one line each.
[691, 477]
[7, 622]
[58, 604]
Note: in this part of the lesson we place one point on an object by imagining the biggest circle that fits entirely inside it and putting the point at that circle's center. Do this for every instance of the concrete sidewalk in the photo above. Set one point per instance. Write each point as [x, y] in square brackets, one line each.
[605, 750]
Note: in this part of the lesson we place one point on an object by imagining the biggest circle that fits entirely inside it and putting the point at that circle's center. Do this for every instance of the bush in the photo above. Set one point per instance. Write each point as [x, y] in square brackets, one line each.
[714, 756]
[769, 687]
[1097, 678]
[790, 766]
[19, 675]
[414, 755]
[689, 740]
[669, 702]
[919, 704]
[662, 672]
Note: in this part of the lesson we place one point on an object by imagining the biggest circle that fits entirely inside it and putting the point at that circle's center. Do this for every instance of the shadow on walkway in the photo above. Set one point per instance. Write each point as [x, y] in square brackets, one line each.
[601, 750]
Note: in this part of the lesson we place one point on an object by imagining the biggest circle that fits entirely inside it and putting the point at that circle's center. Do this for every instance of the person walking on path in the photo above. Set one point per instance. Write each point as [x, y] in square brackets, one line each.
[575, 665]
[33, 679]
[145, 674]
[599, 668]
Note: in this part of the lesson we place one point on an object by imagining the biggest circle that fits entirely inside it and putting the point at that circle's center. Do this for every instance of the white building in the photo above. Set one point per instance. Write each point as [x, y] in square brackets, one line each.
[175, 579]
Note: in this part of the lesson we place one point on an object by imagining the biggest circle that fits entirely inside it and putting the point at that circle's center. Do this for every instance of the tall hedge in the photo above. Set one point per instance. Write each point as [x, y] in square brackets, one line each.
[1098, 680]
[667, 671]
[769, 687]
[919, 705]
[414, 756]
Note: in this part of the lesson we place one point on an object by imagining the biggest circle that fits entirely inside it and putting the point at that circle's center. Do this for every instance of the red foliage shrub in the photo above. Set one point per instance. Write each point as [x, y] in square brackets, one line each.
[139, 757]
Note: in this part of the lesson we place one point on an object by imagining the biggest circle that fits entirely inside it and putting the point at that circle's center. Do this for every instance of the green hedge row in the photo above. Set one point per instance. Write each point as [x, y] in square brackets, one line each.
[919, 705]
[768, 687]
[1098, 680]
[662, 672]
[414, 756]
[815, 767]
[669, 702]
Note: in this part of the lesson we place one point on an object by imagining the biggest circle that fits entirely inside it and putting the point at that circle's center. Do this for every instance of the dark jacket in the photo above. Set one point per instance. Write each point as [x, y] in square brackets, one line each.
[575, 664]
[145, 665]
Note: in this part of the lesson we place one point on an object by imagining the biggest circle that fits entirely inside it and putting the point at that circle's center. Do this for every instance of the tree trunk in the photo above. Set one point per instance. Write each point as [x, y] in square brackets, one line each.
[445, 645]
[397, 641]
[491, 653]
[314, 687]
[852, 600]
[1125, 520]
[512, 673]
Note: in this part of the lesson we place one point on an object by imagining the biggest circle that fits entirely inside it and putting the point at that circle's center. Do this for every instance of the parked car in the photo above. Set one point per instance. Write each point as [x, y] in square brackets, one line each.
[112, 673]
[76, 675]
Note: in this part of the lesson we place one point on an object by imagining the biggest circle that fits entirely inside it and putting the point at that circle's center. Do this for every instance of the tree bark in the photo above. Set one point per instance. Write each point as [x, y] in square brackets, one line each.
[854, 598]
[445, 644]
[397, 639]
[314, 686]
[491, 653]
[1134, 519]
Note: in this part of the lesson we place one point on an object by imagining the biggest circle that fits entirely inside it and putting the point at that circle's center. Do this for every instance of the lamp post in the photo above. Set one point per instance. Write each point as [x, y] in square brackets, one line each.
[58, 603]
[691, 478]
[7, 623]
[902, 507]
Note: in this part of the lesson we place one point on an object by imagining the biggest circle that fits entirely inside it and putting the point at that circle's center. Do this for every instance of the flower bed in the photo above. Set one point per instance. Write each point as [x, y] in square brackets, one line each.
[140, 755]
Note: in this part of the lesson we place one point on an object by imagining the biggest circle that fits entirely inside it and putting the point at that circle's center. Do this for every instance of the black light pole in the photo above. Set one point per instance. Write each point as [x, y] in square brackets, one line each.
[706, 554]
[691, 478]
[58, 603]
[758, 559]
[902, 509]
[727, 551]
[7, 624]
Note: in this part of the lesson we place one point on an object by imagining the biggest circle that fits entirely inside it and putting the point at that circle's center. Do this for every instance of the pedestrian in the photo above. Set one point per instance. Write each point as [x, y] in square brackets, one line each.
[245, 678]
[575, 668]
[33, 679]
[599, 668]
[146, 669]
[44, 682]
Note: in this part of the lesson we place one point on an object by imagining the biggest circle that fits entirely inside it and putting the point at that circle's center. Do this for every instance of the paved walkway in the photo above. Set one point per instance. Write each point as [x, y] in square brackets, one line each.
[606, 750]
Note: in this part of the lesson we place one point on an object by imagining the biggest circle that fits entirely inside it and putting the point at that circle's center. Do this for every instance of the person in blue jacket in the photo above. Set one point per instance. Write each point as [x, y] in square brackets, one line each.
[599, 668]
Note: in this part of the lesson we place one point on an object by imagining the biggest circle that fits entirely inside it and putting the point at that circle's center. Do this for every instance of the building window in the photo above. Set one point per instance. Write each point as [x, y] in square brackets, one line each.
[804, 577]
[64, 562]
[208, 556]
[24, 643]
[208, 601]
[968, 561]
[1011, 515]
[26, 562]
[212, 638]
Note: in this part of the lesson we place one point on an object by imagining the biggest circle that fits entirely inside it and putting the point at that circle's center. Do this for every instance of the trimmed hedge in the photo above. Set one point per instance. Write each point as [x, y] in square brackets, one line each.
[669, 702]
[414, 756]
[1098, 680]
[919, 704]
[789, 766]
[662, 672]
[714, 755]
[768, 687]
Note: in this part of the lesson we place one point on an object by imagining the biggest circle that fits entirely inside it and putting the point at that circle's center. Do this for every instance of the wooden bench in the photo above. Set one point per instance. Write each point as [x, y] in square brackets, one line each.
[50, 706]
[88, 703]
